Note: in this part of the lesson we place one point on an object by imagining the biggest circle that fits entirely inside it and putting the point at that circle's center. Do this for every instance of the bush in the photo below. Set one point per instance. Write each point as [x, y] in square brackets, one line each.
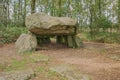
[113, 38]
[10, 34]
[103, 37]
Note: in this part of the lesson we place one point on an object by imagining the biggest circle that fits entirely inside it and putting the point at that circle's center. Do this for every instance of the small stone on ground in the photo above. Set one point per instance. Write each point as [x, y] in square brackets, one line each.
[70, 73]
[17, 75]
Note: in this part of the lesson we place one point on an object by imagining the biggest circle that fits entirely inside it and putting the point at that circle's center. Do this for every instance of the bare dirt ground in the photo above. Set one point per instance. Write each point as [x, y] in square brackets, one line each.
[95, 59]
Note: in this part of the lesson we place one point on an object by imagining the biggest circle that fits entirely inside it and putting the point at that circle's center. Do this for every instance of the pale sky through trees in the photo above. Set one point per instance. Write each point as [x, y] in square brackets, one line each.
[78, 9]
[109, 12]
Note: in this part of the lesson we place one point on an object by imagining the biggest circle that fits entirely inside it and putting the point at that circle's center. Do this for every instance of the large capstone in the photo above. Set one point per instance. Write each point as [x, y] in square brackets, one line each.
[26, 43]
[42, 24]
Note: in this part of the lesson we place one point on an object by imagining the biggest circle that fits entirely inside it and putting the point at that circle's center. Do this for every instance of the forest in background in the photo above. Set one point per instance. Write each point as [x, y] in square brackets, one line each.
[98, 20]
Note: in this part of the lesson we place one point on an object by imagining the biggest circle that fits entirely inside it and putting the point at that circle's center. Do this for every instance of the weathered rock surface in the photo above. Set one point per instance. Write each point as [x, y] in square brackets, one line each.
[26, 42]
[42, 24]
[17, 75]
[71, 43]
[75, 41]
[115, 57]
[69, 73]
[78, 41]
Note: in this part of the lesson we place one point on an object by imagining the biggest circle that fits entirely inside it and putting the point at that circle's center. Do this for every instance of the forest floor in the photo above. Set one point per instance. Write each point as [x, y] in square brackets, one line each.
[98, 60]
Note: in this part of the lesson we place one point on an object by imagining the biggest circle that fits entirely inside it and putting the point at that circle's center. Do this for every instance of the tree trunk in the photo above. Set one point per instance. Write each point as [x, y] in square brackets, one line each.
[59, 38]
[52, 11]
[33, 6]
[24, 11]
[60, 8]
[99, 4]
[119, 14]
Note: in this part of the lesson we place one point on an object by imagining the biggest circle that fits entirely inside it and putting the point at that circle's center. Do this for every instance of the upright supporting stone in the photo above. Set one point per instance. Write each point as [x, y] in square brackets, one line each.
[74, 42]
[78, 41]
[70, 41]
[26, 43]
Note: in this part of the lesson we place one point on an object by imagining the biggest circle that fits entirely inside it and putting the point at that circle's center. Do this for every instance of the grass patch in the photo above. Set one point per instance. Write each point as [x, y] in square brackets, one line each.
[28, 58]
[103, 51]
[16, 65]
[32, 57]
[41, 69]
[55, 76]
[51, 73]
[2, 67]
[27, 53]
[39, 58]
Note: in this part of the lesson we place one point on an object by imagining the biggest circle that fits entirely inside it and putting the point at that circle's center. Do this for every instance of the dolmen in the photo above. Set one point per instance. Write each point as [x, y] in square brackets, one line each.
[42, 27]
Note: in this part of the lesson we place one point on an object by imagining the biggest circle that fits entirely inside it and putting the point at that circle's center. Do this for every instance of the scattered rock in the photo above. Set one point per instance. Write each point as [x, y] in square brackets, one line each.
[42, 24]
[61, 69]
[26, 42]
[70, 73]
[115, 57]
[18, 75]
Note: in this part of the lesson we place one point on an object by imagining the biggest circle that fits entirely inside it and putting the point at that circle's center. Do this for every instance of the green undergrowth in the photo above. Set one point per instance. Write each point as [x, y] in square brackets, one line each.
[10, 34]
[54, 75]
[41, 69]
[16, 65]
[24, 63]
[39, 61]
[102, 37]
[33, 59]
